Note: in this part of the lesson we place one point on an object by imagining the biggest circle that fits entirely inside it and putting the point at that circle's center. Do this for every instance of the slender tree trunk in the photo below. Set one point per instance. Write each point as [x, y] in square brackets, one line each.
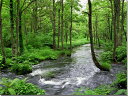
[35, 16]
[12, 28]
[71, 25]
[91, 37]
[17, 27]
[66, 32]
[58, 28]
[62, 24]
[116, 26]
[112, 22]
[1, 36]
[97, 37]
[54, 25]
[20, 34]
[122, 23]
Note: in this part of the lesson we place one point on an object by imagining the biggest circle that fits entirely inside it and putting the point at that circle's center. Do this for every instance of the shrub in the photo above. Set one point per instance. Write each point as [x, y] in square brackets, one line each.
[121, 53]
[8, 52]
[101, 90]
[106, 65]
[107, 46]
[19, 87]
[106, 56]
[121, 80]
[21, 69]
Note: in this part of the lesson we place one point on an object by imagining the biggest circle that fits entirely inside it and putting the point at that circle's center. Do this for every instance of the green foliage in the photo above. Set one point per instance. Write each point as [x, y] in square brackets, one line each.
[8, 52]
[0, 58]
[21, 69]
[121, 80]
[101, 90]
[37, 41]
[106, 56]
[19, 87]
[107, 46]
[106, 65]
[121, 92]
[121, 53]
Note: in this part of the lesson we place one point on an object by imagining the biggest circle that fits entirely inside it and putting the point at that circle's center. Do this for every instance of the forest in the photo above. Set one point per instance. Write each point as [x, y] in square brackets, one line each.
[63, 47]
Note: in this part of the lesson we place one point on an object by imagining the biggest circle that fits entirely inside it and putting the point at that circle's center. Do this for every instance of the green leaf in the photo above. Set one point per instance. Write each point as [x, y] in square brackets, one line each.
[14, 81]
[12, 91]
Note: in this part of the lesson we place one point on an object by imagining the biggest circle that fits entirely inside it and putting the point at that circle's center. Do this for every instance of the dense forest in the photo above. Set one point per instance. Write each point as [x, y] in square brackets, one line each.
[54, 38]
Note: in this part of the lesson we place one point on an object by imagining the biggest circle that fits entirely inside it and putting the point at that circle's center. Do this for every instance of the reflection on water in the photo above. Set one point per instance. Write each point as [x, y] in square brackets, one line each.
[72, 72]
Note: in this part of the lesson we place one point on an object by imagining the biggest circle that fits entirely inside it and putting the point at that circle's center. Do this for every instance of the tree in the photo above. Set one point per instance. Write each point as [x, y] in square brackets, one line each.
[59, 4]
[91, 37]
[20, 11]
[71, 10]
[1, 36]
[62, 24]
[54, 25]
[12, 28]
[116, 26]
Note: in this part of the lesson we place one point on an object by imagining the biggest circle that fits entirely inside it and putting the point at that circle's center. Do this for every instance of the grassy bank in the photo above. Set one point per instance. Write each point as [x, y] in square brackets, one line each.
[33, 56]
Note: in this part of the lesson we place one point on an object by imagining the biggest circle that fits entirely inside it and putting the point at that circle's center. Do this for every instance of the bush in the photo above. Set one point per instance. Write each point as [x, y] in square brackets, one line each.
[8, 52]
[106, 65]
[101, 90]
[106, 56]
[121, 53]
[121, 80]
[107, 46]
[36, 41]
[21, 69]
[19, 87]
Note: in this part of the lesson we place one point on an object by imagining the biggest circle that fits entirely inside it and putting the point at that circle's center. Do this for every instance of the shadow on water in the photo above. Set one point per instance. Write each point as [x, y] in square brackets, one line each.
[71, 73]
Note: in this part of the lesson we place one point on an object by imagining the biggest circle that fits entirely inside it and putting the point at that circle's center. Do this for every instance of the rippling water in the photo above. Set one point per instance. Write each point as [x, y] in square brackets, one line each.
[72, 73]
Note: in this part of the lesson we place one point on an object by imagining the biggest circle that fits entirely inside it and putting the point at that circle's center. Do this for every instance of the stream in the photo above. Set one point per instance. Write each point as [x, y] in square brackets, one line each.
[71, 73]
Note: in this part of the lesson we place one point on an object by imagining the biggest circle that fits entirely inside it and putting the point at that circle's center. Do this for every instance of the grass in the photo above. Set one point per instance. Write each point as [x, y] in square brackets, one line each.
[33, 56]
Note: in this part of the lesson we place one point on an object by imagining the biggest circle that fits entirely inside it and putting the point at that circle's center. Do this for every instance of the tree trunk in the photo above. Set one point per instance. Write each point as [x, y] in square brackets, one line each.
[91, 37]
[54, 25]
[112, 22]
[116, 26]
[20, 34]
[62, 24]
[17, 27]
[12, 28]
[1, 36]
[122, 23]
[97, 37]
[58, 28]
[71, 25]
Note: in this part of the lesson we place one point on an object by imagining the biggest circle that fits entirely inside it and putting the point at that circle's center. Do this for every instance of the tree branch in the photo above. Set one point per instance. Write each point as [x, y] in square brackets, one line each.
[22, 10]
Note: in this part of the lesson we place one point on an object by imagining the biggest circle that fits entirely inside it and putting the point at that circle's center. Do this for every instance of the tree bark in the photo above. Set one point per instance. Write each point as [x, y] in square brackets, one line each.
[71, 10]
[116, 26]
[59, 27]
[91, 37]
[122, 23]
[1, 36]
[20, 34]
[54, 25]
[62, 24]
[12, 28]
[17, 27]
